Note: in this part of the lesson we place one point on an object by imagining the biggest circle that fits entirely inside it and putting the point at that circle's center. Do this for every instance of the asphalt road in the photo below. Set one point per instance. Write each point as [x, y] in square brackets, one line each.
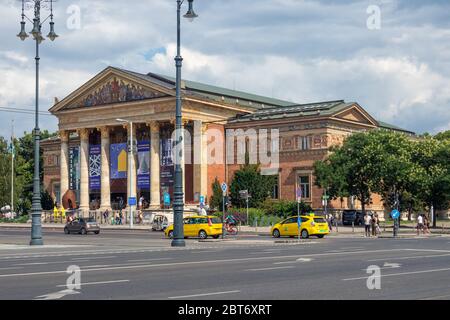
[142, 265]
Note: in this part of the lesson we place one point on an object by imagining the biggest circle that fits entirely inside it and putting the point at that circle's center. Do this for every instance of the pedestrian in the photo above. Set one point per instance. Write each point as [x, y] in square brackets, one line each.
[377, 225]
[367, 222]
[141, 202]
[120, 217]
[330, 221]
[106, 215]
[373, 225]
[419, 224]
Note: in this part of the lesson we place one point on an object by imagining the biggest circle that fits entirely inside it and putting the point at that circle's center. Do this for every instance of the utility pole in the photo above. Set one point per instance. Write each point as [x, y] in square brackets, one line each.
[12, 168]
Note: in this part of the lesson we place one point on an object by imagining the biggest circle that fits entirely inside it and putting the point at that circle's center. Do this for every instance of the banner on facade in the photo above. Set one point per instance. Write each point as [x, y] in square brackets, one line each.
[167, 167]
[95, 167]
[118, 159]
[74, 168]
[143, 173]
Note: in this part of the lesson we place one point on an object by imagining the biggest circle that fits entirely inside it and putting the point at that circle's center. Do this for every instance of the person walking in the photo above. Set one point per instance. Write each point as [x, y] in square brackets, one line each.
[373, 225]
[367, 222]
[426, 225]
[377, 225]
[419, 224]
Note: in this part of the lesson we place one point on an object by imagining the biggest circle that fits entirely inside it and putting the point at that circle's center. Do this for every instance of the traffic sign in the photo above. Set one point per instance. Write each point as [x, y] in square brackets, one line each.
[166, 199]
[395, 214]
[132, 201]
[299, 194]
[202, 199]
[224, 188]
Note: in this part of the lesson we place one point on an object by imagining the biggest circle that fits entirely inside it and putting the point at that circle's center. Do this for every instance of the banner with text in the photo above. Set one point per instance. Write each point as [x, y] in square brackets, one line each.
[143, 174]
[95, 167]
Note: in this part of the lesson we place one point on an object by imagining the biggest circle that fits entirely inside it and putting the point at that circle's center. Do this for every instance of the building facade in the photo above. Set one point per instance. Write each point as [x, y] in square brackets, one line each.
[89, 157]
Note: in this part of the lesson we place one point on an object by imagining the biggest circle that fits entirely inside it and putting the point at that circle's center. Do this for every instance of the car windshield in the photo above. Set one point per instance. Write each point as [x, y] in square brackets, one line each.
[91, 220]
[319, 220]
[216, 220]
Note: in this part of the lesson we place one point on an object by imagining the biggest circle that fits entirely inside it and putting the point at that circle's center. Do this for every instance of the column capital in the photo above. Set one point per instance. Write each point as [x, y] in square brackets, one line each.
[64, 135]
[154, 126]
[104, 132]
[83, 133]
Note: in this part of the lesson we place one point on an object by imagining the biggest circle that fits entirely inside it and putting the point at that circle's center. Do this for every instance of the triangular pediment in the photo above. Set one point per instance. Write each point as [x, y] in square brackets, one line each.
[357, 114]
[112, 86]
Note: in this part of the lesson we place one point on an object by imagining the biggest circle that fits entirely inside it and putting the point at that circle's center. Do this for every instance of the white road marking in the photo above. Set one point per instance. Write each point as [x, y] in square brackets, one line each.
[411, 257]
[295, 261]
[436, 297]
[9, 268]
[204, 294]
[56, 295]
[148, 260]
[108, 257]
[273, 268]
[95, 283]
[387, 266]
[428, 250]
[401, 274]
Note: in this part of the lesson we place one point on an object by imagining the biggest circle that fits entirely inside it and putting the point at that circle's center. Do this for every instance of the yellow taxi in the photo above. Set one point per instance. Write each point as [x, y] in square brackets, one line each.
[199, 226]
[311, 225]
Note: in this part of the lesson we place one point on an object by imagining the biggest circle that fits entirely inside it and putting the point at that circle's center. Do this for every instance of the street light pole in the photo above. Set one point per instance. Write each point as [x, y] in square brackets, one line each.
[130, 169]
[178, 205]
[36, 208]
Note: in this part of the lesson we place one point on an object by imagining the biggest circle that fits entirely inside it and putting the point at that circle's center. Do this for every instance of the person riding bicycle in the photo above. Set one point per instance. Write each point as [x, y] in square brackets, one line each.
[230, 220]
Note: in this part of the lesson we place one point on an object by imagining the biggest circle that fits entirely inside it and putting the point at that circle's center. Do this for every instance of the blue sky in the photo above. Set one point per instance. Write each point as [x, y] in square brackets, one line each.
[297, 50]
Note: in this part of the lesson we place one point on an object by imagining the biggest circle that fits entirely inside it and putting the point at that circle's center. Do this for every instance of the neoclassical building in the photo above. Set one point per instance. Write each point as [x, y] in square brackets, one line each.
[89, 156]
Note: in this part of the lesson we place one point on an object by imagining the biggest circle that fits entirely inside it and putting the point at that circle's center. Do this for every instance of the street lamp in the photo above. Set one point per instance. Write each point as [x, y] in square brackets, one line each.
[178, 205]
[130, 157]
[36, 208]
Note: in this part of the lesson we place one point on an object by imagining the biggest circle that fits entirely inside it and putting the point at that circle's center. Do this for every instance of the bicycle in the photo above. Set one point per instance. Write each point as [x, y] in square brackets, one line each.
[231, 229]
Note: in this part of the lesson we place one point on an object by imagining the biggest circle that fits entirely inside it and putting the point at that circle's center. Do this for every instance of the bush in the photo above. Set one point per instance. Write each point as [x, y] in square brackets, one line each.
[284, 208]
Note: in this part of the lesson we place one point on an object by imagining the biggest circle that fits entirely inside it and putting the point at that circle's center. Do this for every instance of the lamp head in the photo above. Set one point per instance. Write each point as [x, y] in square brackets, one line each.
[191, 15]
[22, 34]
[52, 34]
[36, 32]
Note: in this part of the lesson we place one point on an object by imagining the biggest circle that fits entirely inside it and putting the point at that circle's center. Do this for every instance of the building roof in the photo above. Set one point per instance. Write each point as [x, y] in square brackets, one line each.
[215, 93]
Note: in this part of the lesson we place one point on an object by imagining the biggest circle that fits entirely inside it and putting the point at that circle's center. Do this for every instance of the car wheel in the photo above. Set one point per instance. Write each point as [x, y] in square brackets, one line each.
[66, 230]
[276, 233]
[320, 236]
[216, 236]
[202, 234]
[305, 234]
[96, 232]
[170, 234]
[83, 231]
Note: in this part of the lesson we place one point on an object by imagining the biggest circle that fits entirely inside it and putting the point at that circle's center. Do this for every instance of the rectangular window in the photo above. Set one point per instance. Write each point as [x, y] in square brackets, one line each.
[304, 143]
[305, 185]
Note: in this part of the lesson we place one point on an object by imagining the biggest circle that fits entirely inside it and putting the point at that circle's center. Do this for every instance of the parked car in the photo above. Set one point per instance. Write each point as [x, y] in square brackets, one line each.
[162, 221]
[82, 226]
[311, 225]
[352, 216]
[199, 226]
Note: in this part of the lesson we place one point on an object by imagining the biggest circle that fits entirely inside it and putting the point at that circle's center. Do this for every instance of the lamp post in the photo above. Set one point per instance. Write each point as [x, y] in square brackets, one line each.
[36, 208]
[178, 205]
[130, 157]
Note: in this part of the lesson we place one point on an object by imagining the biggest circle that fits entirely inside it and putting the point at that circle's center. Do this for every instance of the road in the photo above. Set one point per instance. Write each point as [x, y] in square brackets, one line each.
[121, 264]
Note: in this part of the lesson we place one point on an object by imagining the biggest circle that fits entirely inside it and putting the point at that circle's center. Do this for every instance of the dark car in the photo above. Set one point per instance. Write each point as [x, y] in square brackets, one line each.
[352, 216]
[82, 226]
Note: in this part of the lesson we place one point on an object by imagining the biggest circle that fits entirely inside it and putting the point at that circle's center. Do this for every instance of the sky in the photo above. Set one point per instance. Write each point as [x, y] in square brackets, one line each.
[390, 56]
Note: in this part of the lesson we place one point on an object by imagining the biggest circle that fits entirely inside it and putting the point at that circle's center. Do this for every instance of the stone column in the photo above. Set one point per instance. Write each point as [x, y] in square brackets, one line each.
[132, 175]
[200, 158]
[155, 187]
[84, 171]
[64, 163]
[105, 182]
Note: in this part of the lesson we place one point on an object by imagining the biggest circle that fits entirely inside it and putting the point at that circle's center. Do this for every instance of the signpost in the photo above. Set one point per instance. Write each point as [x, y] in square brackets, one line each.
[299, 199]
[224, 187]
[244, 195]
[395, 214]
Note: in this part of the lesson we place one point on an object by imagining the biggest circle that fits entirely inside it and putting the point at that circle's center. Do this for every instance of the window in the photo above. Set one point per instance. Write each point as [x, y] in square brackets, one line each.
[304, 143]
[304, 184]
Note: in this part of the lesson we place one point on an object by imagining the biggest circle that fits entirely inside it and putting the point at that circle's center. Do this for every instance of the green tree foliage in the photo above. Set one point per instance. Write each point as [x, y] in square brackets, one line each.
[284, 208]
[259, 186]
[216, 200]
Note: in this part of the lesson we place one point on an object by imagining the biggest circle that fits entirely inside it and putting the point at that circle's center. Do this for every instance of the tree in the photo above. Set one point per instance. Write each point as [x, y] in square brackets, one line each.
[441, 136]
[433, 177]
[259, 186]
[216, 200]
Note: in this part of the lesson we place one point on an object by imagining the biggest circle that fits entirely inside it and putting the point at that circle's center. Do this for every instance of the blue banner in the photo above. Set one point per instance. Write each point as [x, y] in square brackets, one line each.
[118, 155]
[95, 166]
[74, 168]
[167, 167]
[143, 174]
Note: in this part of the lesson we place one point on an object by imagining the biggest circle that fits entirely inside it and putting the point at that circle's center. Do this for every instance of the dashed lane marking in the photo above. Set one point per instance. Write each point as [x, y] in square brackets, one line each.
[204, 294]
